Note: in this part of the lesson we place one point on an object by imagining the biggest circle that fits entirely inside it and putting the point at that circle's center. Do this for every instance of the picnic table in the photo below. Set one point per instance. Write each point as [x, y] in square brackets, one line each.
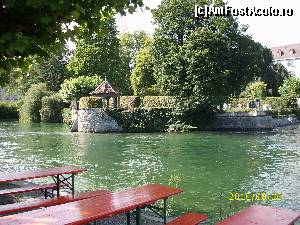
[99, 207]
[262, 215]
[60, 175]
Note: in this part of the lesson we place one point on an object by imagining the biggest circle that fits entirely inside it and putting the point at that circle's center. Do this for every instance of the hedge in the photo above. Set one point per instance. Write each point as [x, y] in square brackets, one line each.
[142, 119]
[159, 101]
[130, 102]
[90, 102]
[9, 110]
[279, 105]
[66, 115]
[51, 111]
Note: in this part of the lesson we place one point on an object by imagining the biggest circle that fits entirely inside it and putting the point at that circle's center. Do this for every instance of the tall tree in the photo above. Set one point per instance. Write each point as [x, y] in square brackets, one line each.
[203, 61]
[33, 26]
[100, 55]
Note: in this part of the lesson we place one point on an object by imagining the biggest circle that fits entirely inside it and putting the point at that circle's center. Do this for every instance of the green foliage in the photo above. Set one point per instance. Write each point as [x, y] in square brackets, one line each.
[130, 102]
[290, 87]
[130, 44]
[35, 26]
[51, 111]
[78, 87]
[66, 115]
[32, 103]
[100, 54]
[255, 90]
[159, 102]
[90, 102]
[142, 120]
[201, 61]
[142, 79]
[9, 110]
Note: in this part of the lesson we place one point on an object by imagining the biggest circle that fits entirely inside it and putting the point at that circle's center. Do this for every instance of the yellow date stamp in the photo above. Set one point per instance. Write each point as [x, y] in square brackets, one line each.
[254, 196]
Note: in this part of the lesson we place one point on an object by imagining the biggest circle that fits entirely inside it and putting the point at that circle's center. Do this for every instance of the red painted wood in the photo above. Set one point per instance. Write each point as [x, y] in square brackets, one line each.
[35, 204]
[39, 173]
[92, 209]
[28, 188]
[189, 219]
[262, 215]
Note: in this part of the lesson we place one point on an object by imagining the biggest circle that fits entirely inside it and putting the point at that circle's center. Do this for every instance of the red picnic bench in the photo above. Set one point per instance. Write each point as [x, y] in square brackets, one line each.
[189, 219]
[262, 215]
[98, 207]
[61, 177]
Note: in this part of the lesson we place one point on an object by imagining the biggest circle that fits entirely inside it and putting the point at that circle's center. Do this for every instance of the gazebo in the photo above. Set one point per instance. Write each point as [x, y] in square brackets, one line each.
[106, 91]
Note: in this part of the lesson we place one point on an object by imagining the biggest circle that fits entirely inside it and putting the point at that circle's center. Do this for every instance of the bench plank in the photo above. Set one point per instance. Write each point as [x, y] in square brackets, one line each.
[39, 173]
[262, 215]
[92, 209]
[189, 219]
[35, 204]
[29, 188]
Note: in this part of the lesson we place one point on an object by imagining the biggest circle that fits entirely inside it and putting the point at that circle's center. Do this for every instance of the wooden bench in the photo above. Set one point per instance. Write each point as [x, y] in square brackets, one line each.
[29, 188]
[36, 204]
[189, 219]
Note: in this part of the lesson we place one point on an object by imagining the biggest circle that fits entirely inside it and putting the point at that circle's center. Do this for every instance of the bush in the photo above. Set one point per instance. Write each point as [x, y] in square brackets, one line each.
[78, 87]
[90, 102]
[32, 103]
[9, 110]
[142, 120]
[66, 115]
[255, 90]
[130, 102]
[290, 87]
[51, 111]
[159, 101]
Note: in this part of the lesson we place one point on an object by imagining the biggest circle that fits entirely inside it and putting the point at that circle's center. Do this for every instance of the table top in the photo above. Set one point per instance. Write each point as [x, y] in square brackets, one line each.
[39, 173]
[92, 209]
[262, 215]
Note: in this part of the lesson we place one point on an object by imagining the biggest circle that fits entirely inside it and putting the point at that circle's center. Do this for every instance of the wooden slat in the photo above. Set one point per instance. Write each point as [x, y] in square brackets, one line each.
[92, 209]
[189, 219]
[39, 173]
[28, 188]
[262, 215]
[35, 204]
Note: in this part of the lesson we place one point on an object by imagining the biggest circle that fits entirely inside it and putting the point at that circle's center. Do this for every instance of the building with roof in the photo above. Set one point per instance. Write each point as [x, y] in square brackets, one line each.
[106, 92]
[289, 57]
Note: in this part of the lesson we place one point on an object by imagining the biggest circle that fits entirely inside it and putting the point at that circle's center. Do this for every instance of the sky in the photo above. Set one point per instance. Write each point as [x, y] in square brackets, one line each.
[269, 31]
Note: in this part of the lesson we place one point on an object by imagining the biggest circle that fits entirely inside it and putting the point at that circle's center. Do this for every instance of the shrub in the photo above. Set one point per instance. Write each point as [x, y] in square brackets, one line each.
[90, 102]
[52, 106]
[32, 103]
[66, 115]
[9, 110]
[142, 120]
[78, 87]
[290, 87]
[159, 101]
[255, 90]
[130, 102]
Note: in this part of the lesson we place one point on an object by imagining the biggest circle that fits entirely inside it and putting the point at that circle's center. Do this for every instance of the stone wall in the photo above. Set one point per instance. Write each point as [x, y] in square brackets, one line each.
[257, 120]
[93, 120]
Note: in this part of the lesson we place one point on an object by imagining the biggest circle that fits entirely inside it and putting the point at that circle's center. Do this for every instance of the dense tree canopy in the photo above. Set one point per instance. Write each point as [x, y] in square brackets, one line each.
[201, 60]
[100, 54]
[29, 27]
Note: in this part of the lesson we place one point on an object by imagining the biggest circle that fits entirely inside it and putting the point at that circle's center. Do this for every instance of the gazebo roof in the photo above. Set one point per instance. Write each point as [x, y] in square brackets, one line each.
[105, 88]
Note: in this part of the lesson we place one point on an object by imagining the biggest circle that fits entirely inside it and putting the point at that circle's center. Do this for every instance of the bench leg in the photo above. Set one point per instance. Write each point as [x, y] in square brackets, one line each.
[165, 211]
[128, 218]
[73, 185]
[57, 184]
[138, 216]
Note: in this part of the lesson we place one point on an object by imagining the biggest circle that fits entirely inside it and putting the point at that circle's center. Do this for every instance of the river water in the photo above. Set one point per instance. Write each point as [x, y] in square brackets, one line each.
[209, 166]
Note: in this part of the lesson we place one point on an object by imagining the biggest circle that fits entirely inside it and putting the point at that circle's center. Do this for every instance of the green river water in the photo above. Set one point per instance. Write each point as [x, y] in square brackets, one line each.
[206, 165]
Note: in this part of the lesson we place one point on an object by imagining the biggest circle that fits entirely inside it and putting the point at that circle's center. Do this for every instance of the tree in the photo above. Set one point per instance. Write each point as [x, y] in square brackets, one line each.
[203, 61]
[290, 87]
[100, 54]
[255, 90]
[35, 26]
[142, 79]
